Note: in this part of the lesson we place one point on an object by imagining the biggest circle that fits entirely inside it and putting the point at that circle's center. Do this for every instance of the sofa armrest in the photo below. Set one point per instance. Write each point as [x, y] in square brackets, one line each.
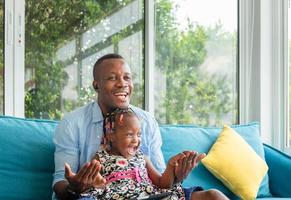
[279, 171]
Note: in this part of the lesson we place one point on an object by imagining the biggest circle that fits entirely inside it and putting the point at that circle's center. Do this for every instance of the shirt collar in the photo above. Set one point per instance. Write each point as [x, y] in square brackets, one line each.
[96, 113]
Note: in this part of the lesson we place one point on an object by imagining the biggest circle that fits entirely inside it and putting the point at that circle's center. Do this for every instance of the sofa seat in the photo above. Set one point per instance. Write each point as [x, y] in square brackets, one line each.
[27, 164]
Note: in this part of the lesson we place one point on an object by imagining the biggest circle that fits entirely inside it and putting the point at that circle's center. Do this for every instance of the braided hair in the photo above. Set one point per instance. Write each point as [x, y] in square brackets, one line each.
[111, 118]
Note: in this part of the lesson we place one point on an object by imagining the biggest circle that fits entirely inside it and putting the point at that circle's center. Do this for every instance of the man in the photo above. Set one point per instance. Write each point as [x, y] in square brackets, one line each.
[79, 134]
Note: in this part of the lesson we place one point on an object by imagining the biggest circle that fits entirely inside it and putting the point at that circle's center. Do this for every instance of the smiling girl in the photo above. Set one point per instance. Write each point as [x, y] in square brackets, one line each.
[127, 173]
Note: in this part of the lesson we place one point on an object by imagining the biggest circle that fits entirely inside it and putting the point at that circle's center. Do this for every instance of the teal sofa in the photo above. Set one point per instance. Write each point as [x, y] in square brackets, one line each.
[27, 165]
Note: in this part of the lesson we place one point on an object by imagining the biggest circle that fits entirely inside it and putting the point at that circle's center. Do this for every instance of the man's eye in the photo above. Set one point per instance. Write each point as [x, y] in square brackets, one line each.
[111, 78]
[128, 78]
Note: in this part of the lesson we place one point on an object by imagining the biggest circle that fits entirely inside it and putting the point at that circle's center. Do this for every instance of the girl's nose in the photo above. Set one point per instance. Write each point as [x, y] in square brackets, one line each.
[135, 138]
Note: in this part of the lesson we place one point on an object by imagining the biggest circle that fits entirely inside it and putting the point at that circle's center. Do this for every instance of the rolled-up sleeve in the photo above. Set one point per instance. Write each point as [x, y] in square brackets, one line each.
[156, 155]
[66, 149]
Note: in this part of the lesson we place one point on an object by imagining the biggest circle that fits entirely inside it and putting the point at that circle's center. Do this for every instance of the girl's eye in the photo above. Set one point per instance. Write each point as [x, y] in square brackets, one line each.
[129, 134]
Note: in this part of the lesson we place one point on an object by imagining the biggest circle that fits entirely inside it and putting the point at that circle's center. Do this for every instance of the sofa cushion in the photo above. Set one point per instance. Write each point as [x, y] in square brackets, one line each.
[177, 138]
[26, 161]
[233, 161]
[279, 171]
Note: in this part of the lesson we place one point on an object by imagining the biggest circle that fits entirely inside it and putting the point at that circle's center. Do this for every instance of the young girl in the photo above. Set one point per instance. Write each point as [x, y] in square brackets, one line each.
[127, 172]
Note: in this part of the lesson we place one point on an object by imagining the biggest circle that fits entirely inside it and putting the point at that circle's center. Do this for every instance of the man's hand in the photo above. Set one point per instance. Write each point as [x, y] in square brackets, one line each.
[188, 161]
[88, 176]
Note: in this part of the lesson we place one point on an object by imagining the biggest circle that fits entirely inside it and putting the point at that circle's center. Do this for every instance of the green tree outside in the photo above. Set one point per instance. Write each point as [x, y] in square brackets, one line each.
[191, 95]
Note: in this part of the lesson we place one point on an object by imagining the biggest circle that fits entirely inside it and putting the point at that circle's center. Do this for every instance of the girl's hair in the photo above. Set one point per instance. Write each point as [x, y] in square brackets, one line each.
[110, 120]
[116, 116]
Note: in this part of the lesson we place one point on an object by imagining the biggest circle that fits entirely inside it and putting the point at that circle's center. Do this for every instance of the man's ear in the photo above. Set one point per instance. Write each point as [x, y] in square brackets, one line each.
[95, 85]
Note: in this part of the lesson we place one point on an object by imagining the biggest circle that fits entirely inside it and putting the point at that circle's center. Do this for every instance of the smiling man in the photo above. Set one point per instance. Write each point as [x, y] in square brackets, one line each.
[78, 135]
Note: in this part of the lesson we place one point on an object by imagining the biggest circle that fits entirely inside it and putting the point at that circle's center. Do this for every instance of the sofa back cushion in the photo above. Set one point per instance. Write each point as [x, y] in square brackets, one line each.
[177, 138]
[27, 165]
[26, 161]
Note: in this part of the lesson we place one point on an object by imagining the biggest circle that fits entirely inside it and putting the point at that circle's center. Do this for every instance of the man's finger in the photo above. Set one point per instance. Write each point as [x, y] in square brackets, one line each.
[68, 171]
[95, 169]
[83, 171]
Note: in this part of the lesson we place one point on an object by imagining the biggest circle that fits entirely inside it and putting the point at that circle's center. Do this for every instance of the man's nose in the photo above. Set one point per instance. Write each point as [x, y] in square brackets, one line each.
[121, 82]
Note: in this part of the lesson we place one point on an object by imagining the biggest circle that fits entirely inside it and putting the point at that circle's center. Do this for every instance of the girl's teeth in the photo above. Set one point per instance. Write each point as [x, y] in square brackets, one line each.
[131, 151]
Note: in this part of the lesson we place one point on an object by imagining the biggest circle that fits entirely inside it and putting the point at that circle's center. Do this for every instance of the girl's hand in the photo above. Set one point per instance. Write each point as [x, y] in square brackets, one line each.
[173, 162]
[187, 161]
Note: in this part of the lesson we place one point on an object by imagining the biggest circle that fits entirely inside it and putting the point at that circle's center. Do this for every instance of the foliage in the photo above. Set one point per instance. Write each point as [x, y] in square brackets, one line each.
[49, 25]
[190, 93]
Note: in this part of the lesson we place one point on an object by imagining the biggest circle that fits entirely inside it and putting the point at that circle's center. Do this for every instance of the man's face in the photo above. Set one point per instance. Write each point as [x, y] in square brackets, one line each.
[114, 83]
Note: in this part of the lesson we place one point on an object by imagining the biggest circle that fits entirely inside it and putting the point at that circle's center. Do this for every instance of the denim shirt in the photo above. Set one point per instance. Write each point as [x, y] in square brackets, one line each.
[78, 136]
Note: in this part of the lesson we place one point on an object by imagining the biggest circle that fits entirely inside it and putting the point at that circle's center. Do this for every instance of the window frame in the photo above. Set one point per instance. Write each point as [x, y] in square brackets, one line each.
[14, 58]
[261, 34]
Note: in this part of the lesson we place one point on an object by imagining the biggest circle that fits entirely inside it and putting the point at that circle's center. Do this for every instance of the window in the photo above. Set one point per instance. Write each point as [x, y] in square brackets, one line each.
[196, 62]
[63, 41]
[289, 66]
[2, 57]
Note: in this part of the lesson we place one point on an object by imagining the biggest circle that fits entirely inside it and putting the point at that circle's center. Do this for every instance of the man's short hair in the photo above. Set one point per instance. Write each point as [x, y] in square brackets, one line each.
[100, 60]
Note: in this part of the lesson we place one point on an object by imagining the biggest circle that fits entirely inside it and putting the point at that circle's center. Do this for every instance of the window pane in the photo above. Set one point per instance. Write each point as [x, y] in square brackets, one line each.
[196, 62]
[63, 41]
[1, 57]
[289, 65]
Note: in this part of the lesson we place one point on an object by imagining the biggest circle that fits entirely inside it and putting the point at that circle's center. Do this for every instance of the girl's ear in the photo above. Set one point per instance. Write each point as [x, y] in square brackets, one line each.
[110, 137]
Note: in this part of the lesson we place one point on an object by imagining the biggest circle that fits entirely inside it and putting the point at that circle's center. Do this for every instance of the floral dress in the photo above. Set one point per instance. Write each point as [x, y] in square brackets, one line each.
[127, 179]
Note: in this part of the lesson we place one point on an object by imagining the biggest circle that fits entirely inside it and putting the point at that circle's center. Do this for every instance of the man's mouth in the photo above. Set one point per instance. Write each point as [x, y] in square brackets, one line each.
[121, 95]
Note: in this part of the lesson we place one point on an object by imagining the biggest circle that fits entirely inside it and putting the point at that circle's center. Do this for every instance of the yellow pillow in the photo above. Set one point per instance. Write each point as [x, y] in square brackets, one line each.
[233, 161]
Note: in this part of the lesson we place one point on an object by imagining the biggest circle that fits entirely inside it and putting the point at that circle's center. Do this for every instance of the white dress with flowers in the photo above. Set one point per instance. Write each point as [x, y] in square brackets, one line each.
[127, 179]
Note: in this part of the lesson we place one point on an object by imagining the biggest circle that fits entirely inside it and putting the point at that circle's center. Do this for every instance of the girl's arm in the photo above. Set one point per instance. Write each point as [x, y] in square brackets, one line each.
[166, 179]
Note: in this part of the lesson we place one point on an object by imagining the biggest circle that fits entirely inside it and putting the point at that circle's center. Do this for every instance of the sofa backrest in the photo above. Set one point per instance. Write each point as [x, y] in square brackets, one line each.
[177, 138]
[27, 165]
[26, 158]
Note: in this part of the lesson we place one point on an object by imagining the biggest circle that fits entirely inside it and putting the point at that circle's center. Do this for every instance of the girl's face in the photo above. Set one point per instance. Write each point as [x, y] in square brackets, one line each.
[126, 137]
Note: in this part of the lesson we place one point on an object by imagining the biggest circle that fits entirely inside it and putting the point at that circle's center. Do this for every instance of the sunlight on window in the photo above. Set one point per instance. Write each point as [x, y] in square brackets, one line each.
[62, 47]
[196, 62]
[1, 57]
[289, 65]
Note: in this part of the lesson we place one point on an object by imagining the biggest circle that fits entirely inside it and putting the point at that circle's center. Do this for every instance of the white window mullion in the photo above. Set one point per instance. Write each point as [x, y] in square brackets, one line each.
[19, 74]
[249, 78]
[14, 58]
[149, 55]
[285, 75]
[9, 62]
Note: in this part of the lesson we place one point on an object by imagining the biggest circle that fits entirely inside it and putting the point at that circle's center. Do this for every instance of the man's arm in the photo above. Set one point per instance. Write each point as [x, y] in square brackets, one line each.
[66, 150]
[61, 190]
[66, 179]
[155, 145]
